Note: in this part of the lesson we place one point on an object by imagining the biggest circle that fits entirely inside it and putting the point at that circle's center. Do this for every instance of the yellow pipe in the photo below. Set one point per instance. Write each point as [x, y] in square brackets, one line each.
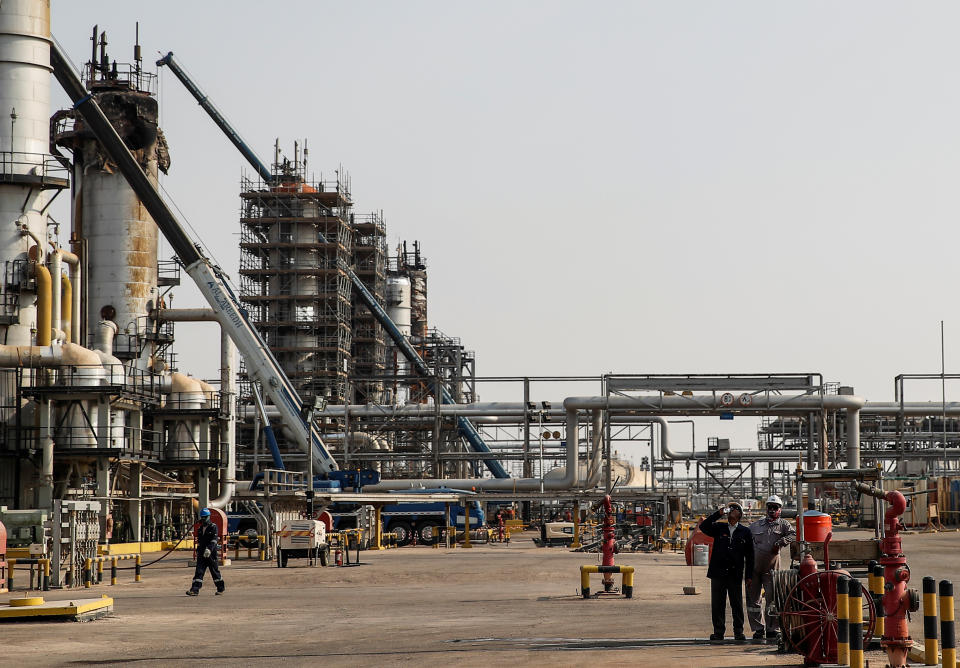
[66, 306]
[44, 304]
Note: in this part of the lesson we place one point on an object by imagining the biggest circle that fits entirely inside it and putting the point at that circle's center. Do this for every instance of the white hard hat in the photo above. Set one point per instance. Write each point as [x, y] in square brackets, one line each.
[773, 498]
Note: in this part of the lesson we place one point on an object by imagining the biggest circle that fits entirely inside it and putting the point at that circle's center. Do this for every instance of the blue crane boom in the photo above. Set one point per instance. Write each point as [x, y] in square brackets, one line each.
[466, 427]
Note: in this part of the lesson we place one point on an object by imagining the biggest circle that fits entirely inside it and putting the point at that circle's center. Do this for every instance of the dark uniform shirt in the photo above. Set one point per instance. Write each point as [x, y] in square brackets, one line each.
[207, 539]
[730, 553]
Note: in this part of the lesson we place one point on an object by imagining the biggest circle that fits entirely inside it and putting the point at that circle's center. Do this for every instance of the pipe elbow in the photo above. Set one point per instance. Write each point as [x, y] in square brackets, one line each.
[898, 504]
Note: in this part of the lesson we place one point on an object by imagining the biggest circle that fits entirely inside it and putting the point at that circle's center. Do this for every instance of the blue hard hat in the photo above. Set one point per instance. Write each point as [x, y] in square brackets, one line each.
[205, 512]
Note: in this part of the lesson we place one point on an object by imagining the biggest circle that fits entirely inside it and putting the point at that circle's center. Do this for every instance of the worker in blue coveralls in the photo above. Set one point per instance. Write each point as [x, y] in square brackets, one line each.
[208, 548]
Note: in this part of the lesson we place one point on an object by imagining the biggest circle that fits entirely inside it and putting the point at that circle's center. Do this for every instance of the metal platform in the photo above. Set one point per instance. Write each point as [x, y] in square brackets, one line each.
[77, 610]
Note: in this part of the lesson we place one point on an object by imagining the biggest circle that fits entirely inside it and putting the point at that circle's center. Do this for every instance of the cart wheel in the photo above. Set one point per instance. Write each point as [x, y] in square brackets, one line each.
[809, 616]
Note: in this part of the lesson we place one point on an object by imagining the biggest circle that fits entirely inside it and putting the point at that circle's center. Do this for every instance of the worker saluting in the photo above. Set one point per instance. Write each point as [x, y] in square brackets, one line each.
[770, 535]
[731, 562]
[207, 546]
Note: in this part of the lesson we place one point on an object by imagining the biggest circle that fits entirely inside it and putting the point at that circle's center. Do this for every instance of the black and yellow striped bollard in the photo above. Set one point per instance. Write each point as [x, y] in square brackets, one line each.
[137, 565]
[99, 571]
[931, 650]
[87, 572]
[947, 630]
[113, 571]
[878, 628]
[855, 613]
[843, 623]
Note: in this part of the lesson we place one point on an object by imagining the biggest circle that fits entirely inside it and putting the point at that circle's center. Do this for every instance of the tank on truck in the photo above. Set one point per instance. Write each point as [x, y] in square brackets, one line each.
[466, 427]
[260, 362]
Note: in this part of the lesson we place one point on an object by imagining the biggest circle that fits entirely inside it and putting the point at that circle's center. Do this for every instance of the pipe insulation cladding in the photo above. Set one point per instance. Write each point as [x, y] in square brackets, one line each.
[25, 163]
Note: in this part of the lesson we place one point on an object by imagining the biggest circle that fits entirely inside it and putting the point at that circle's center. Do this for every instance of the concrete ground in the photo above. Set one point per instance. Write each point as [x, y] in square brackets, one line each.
[495, 604]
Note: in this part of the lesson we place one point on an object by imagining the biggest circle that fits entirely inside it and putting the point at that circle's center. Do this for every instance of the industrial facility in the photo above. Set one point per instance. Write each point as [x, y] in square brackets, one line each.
[345, 421]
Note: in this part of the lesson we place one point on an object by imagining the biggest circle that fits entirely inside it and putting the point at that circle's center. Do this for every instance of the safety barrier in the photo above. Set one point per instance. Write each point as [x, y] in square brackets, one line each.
[876, 590]
[843, 622]
[113, 559]
[855, 614]
[937, 631]
[439, 535]
[626, 576]
[42, 577]
[261, 548]
[947, 630]
[341, 542]
[931, 649]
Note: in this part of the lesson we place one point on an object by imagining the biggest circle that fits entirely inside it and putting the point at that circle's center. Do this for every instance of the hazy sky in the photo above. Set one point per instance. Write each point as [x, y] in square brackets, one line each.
[629, 187]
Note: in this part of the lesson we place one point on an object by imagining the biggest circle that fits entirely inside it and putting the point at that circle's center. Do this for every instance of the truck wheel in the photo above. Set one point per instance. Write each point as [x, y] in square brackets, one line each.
[403, 530]
[425, 532]
[324, 555]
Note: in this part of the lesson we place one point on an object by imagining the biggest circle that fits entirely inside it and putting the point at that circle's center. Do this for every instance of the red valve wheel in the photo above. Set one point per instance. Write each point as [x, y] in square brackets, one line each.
[809, 617]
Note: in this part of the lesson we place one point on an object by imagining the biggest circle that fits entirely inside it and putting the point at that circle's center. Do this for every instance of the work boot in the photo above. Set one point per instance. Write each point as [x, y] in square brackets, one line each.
[758, 636]
[739, 638]
[716, 638]
[192, 592]
[772, 634]
[219, 591]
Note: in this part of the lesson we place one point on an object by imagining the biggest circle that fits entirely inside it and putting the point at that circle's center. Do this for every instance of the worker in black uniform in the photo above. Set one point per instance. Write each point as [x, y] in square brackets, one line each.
[732, 552]
[207, 546]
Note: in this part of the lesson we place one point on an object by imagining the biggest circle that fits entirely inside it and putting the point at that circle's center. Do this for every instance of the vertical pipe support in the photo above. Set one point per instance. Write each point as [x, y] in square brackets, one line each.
[466, 523]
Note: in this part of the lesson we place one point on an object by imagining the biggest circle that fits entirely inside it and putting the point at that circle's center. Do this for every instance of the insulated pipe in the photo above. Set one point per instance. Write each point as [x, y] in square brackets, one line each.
[778, 405]
[228, 380]
[853, 439]
[56, 289]
[106, 331]
[499, 484]
[72, 261]
[66, 307]
[44, 328]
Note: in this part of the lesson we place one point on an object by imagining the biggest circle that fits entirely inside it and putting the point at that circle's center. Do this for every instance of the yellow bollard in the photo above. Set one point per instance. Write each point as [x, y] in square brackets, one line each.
[855, 613]
[113, 571]
[137, 566]
[627, 581]
[843, 623]
[99, 571]
[87, 572]
[585, 582]
[931, 648]
[880, 627]
[947, 631]
[378, 534]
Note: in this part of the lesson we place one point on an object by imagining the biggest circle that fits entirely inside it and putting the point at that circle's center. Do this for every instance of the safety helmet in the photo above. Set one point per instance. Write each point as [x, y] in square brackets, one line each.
[204, 513]
[773, 498]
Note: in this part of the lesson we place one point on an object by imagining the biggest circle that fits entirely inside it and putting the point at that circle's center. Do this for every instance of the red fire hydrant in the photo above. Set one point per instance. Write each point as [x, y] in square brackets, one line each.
[897, 599]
